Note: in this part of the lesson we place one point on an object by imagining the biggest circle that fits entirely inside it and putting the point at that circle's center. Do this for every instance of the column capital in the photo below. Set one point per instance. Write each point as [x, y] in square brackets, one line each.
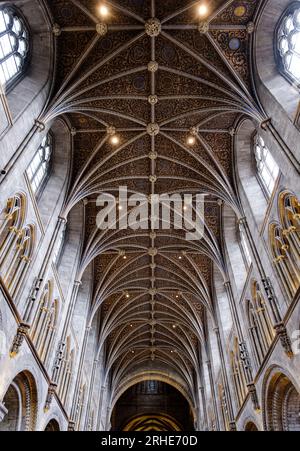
[19, 338]
[62, 220]
[40, 125]
[242, 220]
[266, 123]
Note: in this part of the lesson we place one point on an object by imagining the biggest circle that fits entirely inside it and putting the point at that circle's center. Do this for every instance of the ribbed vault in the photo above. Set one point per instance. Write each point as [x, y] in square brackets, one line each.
[152, 73]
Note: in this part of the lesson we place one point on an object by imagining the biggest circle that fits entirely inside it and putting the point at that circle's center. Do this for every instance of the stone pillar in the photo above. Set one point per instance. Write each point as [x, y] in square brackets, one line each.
[3, 411]
[79, 371]
[225, 381]
[103, 388]
[202, 397]
[91, 388]
[62, 342]
[213, 393]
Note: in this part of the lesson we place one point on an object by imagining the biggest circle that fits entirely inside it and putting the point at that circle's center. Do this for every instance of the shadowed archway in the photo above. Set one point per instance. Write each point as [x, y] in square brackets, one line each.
[152, 406]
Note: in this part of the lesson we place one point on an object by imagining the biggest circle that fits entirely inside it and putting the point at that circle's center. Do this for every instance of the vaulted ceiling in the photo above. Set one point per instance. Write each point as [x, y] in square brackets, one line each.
[153, 73]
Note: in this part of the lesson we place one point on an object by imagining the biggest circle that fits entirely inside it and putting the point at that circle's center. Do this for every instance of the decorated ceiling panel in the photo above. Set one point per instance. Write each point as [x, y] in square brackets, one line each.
[152, 90]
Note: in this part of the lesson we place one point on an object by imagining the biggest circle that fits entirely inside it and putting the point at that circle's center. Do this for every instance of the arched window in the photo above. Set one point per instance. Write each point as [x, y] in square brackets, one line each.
[40, 166]
[282, 404]
[11, 221]
[288, 44]
[44, 324]
[285, 242]
[16, 243]
[19, 259]
[267, 168]
[260, 325]
[238, 374]
[21, 403]
[14, 45]
[289, 208]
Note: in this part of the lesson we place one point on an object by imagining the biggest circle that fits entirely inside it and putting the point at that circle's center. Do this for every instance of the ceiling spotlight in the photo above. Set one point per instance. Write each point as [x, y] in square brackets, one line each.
[180, 258]
[132, 352]
[115, 140]
[191, 140]
[121, 208]
[203, 10]
[174, 326]
[127, 295]
[124, 258]
[103, 10]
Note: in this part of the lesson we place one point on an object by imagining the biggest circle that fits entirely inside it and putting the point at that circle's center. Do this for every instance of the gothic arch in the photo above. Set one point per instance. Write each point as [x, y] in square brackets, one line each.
[17, 243]
[250, 426]
[160, 376]
[52, 426]
[21, 402]
[281, 397]
[44, 325]
[259, 321]
[284, 241]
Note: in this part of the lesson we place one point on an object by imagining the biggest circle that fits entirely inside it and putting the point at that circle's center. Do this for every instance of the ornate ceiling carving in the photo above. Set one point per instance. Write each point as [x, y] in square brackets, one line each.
[153, 73]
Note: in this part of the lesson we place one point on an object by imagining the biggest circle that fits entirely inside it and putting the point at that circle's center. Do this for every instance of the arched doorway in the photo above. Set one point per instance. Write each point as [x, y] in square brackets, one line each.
[282, 404]
[20, 401]
[152, 406]
[52, 426]
[155, 422]
[251, 427]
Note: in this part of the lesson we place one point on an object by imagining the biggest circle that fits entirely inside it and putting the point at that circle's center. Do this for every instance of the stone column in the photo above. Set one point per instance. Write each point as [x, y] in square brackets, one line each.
[62, 342]
[79, 372]
[213, 393]
[90, 393]
[103, 388]
[226, 382]
[202, 398]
